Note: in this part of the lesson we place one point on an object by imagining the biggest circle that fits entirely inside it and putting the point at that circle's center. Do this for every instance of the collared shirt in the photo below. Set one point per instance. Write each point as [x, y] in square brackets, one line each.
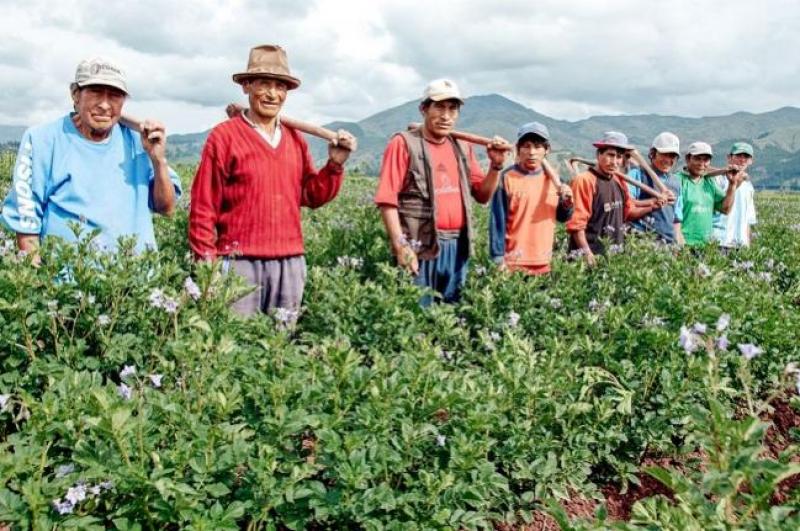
[274, 139]
[699, 199]
[61, 178]
[663, 220]
[733, 230]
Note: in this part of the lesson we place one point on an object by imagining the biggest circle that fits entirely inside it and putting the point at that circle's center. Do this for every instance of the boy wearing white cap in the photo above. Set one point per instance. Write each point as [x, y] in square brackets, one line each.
[734, 230]
[700, 196]
[86, 168]
[425, 183]
[663, 154]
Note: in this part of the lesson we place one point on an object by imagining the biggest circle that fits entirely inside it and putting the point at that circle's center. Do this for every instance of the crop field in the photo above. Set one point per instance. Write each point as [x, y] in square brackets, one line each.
[655, 391]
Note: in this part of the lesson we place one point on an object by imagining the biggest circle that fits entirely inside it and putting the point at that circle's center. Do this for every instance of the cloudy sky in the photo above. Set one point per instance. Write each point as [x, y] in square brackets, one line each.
[565, 58]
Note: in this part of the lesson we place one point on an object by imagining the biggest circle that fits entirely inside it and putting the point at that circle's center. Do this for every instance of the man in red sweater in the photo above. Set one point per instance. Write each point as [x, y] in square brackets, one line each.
[254, 176]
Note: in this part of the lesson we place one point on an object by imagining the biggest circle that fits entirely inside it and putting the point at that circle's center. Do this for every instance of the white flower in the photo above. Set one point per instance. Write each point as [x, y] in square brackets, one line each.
[441, 440]
[156, 298]
[63, 470]
[155, 379]
[765, 276]
[52, 305]
[4, 401]
[749, 350]
[494, 336]
[699, 328]
[480, 270]
[191, 288]
[687, 340]
[64, 507]
[791, 368]
[106, 485]
[91, 299]
[76, 494]
[78, 295]
[124, 391]
[285, 315]
[798, 383]
[127, 370]
[95, 490]
[555, 303]
[723, 322]
[615, 248]
[652, 322]
[103, 320]
[703, 270]
[513, 319]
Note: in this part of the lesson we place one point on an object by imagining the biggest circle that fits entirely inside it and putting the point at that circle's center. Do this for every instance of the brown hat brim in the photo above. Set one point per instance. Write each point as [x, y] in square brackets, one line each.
[291, 82]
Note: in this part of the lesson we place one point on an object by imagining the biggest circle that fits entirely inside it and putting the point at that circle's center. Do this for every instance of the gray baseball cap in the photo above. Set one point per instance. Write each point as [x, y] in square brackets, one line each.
[101, 71]
[613, 139]
[700, 148]
[533, 128]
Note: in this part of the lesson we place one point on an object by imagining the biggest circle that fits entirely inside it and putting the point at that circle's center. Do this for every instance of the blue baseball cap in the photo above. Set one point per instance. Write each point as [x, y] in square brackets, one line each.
[533, 128]
[613, 139]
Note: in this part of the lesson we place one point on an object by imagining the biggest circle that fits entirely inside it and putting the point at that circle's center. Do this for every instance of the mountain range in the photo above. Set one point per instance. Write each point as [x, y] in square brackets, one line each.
[775, 135]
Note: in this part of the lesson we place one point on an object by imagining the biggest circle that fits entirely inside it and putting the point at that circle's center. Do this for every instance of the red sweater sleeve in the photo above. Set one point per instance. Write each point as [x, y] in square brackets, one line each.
[204, 208]
[393, 172]
[319, 187]
[476, 175]
[583, 190]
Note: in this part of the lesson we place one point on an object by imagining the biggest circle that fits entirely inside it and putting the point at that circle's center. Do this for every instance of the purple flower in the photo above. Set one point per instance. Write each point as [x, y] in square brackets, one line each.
[63, 507]
[106, 485]
[76, 494]
[124, 391]
[723, 322]
[155, 379]
[103, 319]
[127, 371]
[286, 316]
[95, 490]
[191, 288]
[699, 328]
[749, 350]
[170, 305]
[722, 342]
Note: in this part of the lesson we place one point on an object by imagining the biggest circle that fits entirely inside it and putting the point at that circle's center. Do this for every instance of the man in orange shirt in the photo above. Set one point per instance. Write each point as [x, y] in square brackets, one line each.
[525, 207]
[602, 201]
[425, 183]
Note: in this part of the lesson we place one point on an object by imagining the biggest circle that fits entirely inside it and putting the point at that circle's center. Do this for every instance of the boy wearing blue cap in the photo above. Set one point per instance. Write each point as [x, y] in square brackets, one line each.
[526, 206]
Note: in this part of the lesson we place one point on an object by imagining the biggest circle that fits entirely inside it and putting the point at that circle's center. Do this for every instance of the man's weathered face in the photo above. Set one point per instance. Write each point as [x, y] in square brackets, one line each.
[440, 117]
[663, 162]
[610, 159]
[266, 96]
[697, 165]
[742, 160]
[99, 108]
[531, 153]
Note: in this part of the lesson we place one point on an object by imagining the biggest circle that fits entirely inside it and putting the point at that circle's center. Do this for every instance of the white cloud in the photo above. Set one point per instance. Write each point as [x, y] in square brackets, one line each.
[568, 59]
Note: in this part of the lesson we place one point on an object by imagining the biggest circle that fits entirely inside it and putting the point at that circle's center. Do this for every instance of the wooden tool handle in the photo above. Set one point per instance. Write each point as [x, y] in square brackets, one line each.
[311, 129]
[649, 170]
[131, 122]
[460, 135]
[622, 176]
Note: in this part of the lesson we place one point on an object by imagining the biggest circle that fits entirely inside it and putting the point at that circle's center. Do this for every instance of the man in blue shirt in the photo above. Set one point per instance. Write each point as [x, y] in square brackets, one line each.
[87, 168]
[663, 154]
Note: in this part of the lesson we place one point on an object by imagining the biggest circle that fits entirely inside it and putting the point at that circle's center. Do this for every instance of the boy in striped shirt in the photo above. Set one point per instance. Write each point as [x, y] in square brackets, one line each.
[526, 206]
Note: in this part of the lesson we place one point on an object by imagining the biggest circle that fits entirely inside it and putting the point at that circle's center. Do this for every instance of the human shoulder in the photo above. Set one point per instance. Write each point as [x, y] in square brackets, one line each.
[47, 132]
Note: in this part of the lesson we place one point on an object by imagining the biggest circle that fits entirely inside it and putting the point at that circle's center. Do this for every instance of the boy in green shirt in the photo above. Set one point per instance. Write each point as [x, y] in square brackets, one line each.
[700, 196]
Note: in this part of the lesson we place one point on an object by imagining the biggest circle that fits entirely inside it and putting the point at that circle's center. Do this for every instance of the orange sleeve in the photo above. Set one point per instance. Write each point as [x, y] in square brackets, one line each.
[626, 193]
[393, 172]
[583, 190]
